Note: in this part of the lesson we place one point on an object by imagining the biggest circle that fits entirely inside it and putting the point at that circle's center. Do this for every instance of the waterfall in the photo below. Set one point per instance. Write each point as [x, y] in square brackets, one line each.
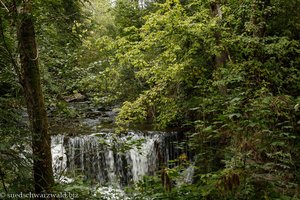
[58, 154]
[108, 160]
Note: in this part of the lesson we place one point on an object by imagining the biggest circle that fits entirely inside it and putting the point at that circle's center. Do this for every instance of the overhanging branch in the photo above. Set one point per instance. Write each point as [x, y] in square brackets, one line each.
[3, 4]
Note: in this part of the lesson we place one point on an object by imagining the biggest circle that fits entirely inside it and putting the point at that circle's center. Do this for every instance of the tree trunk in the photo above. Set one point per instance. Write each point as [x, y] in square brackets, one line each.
[220, 59]
[30, 80]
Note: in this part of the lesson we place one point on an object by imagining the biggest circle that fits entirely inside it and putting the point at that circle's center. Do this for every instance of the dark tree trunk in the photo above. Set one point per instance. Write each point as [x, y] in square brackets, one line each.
[30, 80]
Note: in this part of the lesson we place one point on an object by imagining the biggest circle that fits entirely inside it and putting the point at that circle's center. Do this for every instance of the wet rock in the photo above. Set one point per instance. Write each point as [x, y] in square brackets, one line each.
[93, 115]
[77, 97]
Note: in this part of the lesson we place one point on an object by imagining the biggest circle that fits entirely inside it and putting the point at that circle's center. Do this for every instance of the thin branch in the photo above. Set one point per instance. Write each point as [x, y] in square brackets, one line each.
[4, 5]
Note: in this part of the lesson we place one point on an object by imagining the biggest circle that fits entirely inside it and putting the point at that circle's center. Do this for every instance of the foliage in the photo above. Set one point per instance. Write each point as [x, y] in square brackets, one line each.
[16, 159]
[80, 189]
[60, 26]
[226, 71]
[151, 188]
[242, 110]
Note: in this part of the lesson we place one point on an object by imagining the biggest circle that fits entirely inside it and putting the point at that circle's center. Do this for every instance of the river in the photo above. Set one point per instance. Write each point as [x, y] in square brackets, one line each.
[86, 147]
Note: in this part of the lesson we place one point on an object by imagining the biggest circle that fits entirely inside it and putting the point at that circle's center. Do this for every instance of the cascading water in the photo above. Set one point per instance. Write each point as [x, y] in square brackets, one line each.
[107, 160]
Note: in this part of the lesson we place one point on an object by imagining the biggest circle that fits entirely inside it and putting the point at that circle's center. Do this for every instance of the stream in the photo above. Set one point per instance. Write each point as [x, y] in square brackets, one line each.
[86, 147]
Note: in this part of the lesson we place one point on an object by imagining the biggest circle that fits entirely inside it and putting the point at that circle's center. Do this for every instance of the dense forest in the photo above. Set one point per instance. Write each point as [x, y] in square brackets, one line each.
[222, 74]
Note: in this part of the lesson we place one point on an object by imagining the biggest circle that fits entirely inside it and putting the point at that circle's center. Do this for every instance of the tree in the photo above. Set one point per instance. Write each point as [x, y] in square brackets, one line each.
[232, 75]
[29, 77]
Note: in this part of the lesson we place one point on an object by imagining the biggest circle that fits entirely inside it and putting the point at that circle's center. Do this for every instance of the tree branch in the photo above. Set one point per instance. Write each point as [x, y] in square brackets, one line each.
[4, 5]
